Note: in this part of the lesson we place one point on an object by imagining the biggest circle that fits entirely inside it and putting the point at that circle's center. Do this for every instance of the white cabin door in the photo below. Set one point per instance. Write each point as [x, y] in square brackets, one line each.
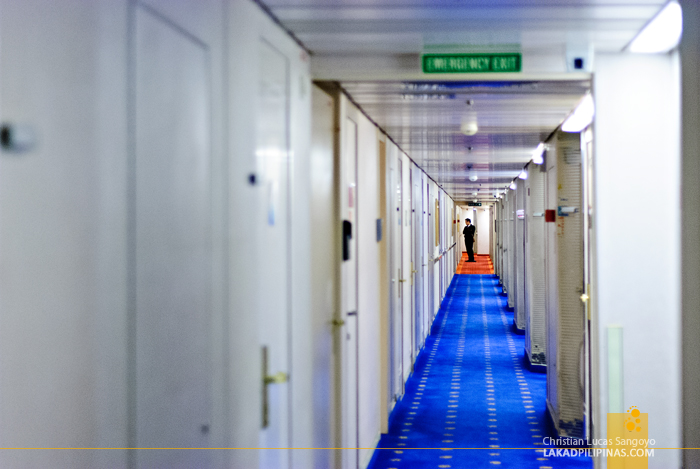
[417, 270]
[406, 254]
[173, 243]
[274, 225]
[396, 286]
[348, 200]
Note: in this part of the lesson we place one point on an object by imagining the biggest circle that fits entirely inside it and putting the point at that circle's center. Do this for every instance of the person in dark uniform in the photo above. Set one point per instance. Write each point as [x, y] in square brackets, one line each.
[468, 233]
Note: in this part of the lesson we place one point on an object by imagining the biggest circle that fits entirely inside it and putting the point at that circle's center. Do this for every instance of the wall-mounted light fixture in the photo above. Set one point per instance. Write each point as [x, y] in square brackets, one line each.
[538, 154]
[513, 186]
[662, 33]
[523, 174]
[581, 117]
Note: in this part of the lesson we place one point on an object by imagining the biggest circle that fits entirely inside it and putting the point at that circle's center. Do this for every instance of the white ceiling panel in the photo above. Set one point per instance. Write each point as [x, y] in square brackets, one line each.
[331, 26]
[373, 47]
[425, 119]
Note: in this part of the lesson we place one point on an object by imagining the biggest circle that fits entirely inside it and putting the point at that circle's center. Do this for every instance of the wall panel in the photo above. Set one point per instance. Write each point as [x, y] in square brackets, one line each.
[634, 291]
[368, 289]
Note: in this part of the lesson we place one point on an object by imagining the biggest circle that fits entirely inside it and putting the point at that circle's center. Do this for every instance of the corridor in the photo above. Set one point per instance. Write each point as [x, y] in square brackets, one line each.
[471, 400]
[232, 233]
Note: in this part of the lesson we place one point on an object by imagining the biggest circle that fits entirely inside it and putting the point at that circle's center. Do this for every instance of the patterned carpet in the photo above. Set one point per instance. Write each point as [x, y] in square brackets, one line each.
[482, 266]
[470, 402]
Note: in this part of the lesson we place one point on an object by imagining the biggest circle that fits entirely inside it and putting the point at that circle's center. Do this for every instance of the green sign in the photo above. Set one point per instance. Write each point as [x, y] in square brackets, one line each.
[474, 204]
[472, 63]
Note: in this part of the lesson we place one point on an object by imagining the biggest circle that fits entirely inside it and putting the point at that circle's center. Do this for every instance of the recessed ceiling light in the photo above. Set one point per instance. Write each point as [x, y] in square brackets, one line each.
[662, 33]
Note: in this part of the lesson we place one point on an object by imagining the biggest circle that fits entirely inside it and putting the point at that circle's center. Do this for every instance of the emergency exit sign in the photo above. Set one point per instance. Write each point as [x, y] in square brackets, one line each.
[472, 63]
[474, 204]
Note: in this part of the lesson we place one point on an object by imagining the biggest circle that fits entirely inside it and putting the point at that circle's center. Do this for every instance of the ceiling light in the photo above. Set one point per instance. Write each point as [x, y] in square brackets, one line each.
[662, 33]
[469, 128]
[523, 174]
[475, 193]
[513, 185]
[472, 176]
[538, 154]
[581, 117]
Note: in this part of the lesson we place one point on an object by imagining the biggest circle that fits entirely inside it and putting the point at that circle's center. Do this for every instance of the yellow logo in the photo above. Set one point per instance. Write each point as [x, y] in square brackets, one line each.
[628, 444]
[634, 421]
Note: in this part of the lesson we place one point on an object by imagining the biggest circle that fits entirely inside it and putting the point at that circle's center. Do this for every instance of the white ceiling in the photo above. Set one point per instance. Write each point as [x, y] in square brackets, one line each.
[425, 120]
[373, 49]
[406, 26]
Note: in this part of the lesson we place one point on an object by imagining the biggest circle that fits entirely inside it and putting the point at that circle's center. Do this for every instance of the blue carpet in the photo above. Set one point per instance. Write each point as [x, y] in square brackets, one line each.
[470, 397]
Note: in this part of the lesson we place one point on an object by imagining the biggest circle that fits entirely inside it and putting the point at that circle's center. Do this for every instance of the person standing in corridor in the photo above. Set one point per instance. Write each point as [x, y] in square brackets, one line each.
[468, 232]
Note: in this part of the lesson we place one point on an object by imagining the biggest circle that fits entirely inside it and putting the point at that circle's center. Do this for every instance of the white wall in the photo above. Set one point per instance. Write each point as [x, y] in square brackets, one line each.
[62, 228]
[460, 237]
[484, 228]
[690, 59]
[637, 161]
[323, 239]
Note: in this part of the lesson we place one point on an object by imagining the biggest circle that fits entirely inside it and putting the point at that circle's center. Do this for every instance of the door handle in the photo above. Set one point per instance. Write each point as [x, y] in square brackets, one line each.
[277, 378]
[400, 281]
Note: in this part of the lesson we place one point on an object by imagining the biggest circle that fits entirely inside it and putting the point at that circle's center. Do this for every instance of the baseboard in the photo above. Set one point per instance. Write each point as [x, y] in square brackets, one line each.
[372, 454]
[534, 367]
[549, 424]
[553, 430]
[392, 412]
[516, 329]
